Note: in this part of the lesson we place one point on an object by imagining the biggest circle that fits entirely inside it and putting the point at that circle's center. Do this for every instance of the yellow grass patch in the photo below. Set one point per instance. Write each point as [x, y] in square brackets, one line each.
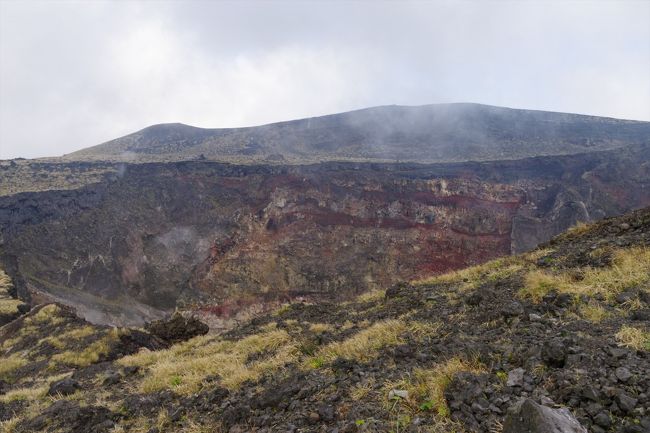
[426, 387]
[363, 389]
[8, 305]
[5, 283]
[365, 344]
[580, 228]
[91, 354]
[9, 426]
[184, 366]
[319, 328]
[60, 341]
[469, 278]
[9, 364]
[371, 296]
[635, 338]
[593, 312]
[49, 314]
[630, 268]
[28, 394]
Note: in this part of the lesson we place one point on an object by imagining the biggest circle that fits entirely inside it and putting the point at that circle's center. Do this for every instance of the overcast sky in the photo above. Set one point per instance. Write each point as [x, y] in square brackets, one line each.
[75, 74]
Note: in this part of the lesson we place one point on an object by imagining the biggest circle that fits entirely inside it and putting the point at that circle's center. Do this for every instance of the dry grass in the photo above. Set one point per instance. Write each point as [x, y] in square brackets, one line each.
[371, 296]
[8, 305]
[579, 229]
[320, 328]
[469, 278]
[426, 387]
[185, 366]
[630, 268]
[91, 354]
[635, 338]
[9, 364]
[9, 426]
[593, 312]
[60, 341]
[5, 283]
[28, 394]
[47, 315]
[365, 344]
[361, 390]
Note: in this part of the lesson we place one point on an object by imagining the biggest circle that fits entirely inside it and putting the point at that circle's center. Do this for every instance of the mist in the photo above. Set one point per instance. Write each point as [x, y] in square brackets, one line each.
[75, 74]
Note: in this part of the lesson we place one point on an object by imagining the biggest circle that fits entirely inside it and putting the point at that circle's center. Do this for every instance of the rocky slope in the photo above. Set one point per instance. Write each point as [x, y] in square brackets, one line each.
[142, 239]
[565, 326]
[430, 133]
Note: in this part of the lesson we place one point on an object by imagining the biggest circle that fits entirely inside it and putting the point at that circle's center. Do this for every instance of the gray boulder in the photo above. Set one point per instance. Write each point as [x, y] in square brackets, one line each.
[64, 387]
[526, 416]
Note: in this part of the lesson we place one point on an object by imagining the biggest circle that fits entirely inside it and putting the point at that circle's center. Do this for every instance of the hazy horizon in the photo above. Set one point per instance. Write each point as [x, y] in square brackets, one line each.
[76, 74]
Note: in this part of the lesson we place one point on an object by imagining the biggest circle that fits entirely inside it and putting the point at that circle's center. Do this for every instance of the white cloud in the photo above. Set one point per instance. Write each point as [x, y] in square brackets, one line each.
[73, 74]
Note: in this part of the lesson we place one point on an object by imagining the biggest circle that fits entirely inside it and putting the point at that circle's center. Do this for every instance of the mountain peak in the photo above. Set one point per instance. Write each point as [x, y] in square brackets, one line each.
[427, 133]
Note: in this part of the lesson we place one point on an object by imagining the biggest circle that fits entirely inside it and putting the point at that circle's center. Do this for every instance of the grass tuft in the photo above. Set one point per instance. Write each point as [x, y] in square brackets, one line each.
[426, 387]
[635, 338]
[185, 366]
[593, 312]
[630, 268]
[91, 354]
[371, 296]
[10, 364]
[471, 277]
[365, 344]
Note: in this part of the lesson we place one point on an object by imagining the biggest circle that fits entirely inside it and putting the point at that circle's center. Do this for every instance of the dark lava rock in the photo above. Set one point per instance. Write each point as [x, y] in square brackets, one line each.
[626, 296]
[516, 377]
[554, 353]
[563, 300]
[64, 387]
[395, 290]
[326, 413]
[112, 377]
[474, 299]
[403, 351]
[24, 308]
[134, 340]
[68, 416]
[641, 315]
[512, 309]
[343, 365]
[623, 374]
[530, 417]
[590, 393]
[626, 403]
[603, 420]
[177, 328]
[130, 370]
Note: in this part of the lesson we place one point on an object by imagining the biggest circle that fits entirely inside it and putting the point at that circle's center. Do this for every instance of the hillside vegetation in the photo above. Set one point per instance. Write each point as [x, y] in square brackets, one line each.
[566, 325]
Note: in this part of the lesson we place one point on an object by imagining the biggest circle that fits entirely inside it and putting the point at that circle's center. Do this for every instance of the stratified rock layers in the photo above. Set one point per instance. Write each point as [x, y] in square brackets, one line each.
[229, 237]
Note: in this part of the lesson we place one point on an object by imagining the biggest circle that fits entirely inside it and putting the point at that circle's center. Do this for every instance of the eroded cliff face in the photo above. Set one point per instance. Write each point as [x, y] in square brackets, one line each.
[225, 238]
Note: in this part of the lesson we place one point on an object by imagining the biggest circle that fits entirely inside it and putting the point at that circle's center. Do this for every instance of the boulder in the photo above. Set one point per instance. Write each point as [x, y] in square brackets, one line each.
[177, 328]
[526, 416]
[512, 309]
[64, 387]
[554, 353]
[516, 377]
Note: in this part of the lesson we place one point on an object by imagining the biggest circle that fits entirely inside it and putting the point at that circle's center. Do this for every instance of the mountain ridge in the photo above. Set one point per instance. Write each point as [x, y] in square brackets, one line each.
[430, 133]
